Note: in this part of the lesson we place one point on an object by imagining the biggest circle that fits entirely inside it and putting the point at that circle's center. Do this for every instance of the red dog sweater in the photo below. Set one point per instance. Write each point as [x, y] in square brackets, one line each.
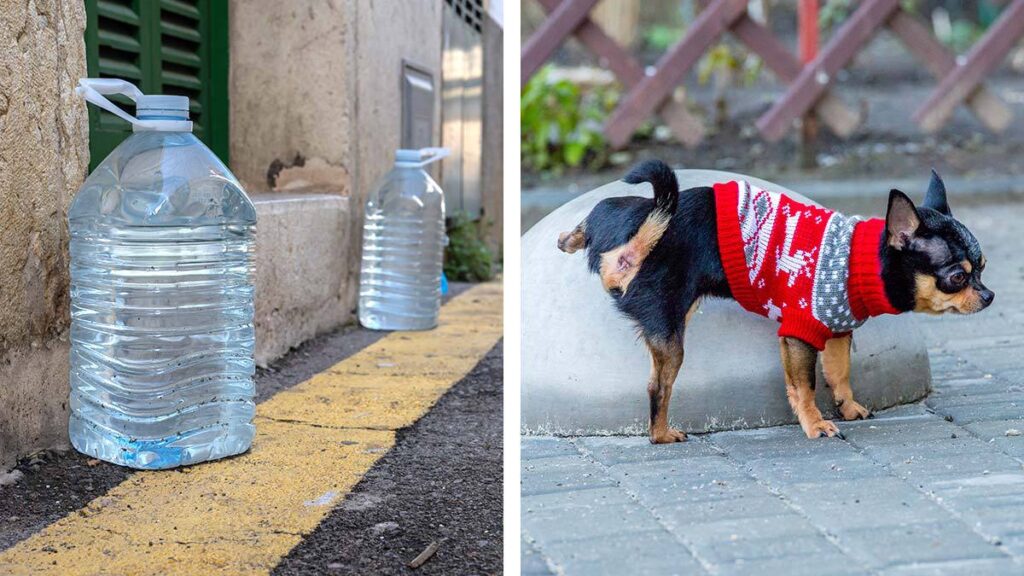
[814, 270]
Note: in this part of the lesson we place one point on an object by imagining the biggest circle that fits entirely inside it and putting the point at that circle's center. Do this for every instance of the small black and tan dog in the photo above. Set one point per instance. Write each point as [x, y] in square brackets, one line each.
[817, 272]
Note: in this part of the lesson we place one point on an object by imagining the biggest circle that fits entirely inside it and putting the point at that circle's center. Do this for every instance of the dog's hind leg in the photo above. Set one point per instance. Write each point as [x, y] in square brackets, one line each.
[666, 359]
[798, 361]
[835, 362]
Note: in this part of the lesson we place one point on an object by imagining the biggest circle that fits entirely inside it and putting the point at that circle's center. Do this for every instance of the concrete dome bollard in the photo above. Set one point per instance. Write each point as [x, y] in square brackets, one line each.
[584, 371]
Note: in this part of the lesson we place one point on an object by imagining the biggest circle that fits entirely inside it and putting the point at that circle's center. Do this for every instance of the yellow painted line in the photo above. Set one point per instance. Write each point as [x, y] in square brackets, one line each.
[313, 444]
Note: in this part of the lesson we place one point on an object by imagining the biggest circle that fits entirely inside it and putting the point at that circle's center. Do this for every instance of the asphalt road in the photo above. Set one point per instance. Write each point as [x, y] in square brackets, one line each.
[441, 483]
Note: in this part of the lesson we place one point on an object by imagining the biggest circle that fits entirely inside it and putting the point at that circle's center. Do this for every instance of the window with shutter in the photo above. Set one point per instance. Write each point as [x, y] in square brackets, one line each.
[165, 47]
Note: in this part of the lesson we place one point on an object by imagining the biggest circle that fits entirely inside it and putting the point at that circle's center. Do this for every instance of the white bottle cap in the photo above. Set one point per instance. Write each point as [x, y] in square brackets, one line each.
[162, 105]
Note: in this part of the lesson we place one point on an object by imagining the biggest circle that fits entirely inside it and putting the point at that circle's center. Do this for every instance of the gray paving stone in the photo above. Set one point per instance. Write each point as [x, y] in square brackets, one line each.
[535, 448]
[656, 553]
[811, 547]
[562, 473]
[688, 471]
[785, 525]
[997, 394]
[995, 432]
[864, 503]
[687, 514]
[787, 441]
[985, 566]
[833, 564]
[668, 495]
[532, 562]
[927, 464]
[800, 469]
[611, 450]
[551, 525]
[600, 496]
[881, 546]
[907, 431]
[974, 385]
[968, 413]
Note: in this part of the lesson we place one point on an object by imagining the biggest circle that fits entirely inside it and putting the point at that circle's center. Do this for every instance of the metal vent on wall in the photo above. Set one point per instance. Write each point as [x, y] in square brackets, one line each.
[469, 11]
[462, 106]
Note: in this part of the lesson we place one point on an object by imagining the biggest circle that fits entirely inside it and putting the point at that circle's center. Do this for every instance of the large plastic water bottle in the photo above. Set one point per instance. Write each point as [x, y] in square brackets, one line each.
[403, 246]
[162, 245]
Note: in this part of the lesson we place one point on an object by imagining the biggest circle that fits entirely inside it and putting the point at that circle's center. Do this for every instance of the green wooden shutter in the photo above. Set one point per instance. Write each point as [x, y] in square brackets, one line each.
[165, 47]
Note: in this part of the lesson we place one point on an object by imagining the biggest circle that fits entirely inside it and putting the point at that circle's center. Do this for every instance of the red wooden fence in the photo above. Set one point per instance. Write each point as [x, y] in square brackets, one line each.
[808, 84]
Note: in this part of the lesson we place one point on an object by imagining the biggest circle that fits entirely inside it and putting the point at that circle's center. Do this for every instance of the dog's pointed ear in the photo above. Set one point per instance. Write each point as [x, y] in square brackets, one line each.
[935, 198]
[901, 220]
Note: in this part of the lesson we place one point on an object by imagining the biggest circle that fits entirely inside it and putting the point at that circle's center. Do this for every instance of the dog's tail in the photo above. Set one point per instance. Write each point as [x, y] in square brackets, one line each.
[618, 274]
[662, 178]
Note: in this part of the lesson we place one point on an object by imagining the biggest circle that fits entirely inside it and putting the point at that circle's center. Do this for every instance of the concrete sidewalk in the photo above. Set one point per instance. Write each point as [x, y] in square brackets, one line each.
[930, 488]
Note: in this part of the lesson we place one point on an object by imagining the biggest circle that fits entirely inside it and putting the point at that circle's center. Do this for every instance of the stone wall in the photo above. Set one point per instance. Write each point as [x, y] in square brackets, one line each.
[43, 159]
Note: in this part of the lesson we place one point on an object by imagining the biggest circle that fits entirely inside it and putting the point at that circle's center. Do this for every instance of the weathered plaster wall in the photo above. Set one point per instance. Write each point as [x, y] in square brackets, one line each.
[292, 94]
[43, 159]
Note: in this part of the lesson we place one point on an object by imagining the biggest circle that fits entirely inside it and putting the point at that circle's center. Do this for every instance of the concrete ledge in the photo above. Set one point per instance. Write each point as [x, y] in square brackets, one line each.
[301, 264]
[585, 372]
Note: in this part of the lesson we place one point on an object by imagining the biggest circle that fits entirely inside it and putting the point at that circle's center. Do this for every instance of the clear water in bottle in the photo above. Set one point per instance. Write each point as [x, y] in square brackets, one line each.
[403, 248]
[162, 246]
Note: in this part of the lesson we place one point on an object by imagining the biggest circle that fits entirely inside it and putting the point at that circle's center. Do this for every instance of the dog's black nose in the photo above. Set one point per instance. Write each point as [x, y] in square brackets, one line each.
[987, 296]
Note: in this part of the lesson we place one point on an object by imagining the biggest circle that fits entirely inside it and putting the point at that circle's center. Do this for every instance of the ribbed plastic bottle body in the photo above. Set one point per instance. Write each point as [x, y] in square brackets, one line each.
[403, 251]
[162, 338]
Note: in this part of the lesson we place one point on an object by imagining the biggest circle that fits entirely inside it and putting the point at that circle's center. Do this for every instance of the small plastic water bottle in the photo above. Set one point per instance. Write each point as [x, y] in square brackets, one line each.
[403, 246]
[162, 246]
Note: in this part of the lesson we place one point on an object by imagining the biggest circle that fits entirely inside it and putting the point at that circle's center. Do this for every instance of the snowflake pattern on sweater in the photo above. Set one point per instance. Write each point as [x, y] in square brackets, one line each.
[791, 262]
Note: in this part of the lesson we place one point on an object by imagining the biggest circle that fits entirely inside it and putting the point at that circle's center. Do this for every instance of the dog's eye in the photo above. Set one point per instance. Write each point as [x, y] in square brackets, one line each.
[958, 278]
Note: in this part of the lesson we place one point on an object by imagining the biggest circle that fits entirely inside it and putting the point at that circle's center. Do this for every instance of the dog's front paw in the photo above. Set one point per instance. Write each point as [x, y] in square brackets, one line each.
[854, 411]
[822, 428]
[668, 436]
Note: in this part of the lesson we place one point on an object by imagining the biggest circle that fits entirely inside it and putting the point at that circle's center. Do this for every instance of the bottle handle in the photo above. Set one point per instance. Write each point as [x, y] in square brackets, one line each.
[433, 155]
[93, 90]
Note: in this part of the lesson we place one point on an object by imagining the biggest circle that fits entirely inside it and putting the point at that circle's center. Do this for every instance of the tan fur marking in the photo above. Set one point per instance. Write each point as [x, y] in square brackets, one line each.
[798, 360]
[931, 300]
[693, 310]
[835, 363]
[620, 265]
[570, 242]
[967, 266]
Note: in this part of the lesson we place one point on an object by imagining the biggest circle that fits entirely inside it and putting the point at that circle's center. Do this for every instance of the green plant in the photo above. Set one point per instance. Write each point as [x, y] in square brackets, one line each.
[961, 35]
[727, 65]
[561, 124]
[833, 12]
[467, 258]
[660, 37]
